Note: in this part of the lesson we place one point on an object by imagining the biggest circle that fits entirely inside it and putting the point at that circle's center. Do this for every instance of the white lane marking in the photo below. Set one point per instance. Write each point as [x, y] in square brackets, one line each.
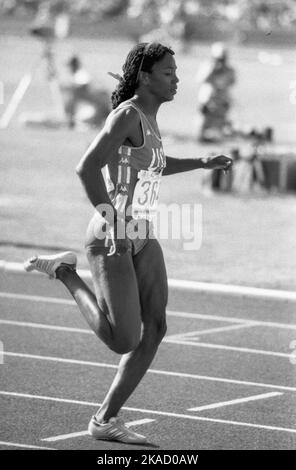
[36, 298]
[46, 398]
[84, 330]
[219, 329]
[139, 422]
[159, 413]
[225, 319]
[56, 300]
[227, 348]
[63, 437]
[191, 286]
[258, 292]
[174, 339]
[46, 326]
[25, 446]
[152, 371]
[236, 401]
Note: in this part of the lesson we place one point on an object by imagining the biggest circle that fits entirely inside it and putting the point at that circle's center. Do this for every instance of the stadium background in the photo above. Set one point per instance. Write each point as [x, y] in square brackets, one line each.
[42, 203]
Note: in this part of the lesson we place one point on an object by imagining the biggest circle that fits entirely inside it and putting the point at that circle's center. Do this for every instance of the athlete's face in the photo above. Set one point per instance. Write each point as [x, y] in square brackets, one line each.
[162, 80]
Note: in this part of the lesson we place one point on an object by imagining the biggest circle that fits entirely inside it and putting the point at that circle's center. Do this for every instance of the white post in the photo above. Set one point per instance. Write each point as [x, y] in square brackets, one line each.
[15, 101]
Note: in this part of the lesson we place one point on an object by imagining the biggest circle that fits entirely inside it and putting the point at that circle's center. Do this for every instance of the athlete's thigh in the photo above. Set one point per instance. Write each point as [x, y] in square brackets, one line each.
[116, 288]
[152, 280]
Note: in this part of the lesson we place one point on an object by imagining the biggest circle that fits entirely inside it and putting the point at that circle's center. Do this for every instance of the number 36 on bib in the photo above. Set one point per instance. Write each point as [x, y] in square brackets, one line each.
[146, 193]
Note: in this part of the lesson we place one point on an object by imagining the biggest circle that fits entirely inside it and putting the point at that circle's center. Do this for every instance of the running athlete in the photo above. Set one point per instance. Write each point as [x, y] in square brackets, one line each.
[128, 310]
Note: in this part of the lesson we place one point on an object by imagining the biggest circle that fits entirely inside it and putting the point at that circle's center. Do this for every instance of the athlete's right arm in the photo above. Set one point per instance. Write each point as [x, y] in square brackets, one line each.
[118, 127]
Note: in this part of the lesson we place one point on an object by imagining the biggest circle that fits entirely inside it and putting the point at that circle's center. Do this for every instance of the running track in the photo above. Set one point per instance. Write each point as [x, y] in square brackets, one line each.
[223, 378]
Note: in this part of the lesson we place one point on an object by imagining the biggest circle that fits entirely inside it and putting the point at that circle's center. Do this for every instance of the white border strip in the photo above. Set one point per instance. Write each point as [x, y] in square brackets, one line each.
[181, 340]
[151, 371]
[68, 329]
[43, 326]
[159, 413]
[231, 289]
[191, 286]
[25, 446]
[236, 401]
[224, 347]
[63, 437]
[220, 318]
[195, 334]
[37, 298]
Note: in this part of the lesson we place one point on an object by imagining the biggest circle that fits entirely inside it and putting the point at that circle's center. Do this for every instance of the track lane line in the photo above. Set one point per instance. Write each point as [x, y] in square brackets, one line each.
[207, 331]
[45, 326]
[179, 284]
[224, 347]
[155, 412]
[25, 446]
[235, 401]
[63, 437]
[174, 339]
[56, 300]
[36, 298]
[221, 318]
[169, 340]
[151, 371]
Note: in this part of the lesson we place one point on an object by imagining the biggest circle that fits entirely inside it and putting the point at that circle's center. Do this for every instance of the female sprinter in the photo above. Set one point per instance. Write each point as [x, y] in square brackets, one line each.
[128, 310]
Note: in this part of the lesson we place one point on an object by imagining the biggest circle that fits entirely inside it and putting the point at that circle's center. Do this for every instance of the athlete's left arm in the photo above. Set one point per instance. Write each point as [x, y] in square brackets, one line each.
[179, 165]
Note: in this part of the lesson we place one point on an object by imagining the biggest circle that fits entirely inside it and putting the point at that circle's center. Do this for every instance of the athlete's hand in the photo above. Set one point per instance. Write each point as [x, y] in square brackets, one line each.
[221, 162]
[118, 239]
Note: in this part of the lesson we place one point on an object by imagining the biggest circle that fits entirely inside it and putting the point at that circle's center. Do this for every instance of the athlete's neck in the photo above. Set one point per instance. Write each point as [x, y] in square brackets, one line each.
[146, 104]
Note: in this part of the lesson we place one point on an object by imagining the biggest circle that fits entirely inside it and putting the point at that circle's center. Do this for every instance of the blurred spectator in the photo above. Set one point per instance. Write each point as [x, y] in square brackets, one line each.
[77, 101]
[246, 175]
[52, 20]
[188, 17]
[248, 172]
[214, 101]
[83, 101]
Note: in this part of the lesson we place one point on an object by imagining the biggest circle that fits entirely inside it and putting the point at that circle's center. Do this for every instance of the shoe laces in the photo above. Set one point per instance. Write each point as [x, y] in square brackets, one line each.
[44, 265]
[118, 422]
[116, 429]
[119, 429]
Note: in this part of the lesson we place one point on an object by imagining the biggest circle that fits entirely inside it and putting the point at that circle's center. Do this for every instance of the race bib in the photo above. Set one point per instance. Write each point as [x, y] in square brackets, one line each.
[145, 197]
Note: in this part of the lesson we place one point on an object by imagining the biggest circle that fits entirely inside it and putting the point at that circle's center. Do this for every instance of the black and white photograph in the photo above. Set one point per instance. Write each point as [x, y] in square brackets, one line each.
[147, 230]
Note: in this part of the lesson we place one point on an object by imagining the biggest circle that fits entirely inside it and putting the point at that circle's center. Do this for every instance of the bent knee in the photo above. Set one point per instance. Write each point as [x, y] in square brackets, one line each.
[155, 330]
[124, 345]
[161, 329]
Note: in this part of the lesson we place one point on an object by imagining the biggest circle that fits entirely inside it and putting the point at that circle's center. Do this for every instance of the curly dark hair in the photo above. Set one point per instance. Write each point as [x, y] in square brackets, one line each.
[141, 57]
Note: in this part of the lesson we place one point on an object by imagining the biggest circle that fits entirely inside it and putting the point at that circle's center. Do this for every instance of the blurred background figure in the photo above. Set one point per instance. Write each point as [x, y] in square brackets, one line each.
[78, 102]
[83, 101]
[52, 19]
[248, 172]
[214, 100]
[162, 20]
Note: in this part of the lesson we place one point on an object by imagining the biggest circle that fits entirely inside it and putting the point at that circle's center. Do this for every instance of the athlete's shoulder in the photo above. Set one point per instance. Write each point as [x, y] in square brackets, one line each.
[121, 123]
[125, 115]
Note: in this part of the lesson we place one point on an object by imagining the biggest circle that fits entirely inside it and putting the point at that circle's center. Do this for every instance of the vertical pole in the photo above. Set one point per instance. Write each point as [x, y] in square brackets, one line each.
[15, 100]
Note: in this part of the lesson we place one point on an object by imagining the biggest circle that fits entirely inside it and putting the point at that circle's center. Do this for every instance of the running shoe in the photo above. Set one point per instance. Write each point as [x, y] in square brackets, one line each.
[49, 264]
[114, 430]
